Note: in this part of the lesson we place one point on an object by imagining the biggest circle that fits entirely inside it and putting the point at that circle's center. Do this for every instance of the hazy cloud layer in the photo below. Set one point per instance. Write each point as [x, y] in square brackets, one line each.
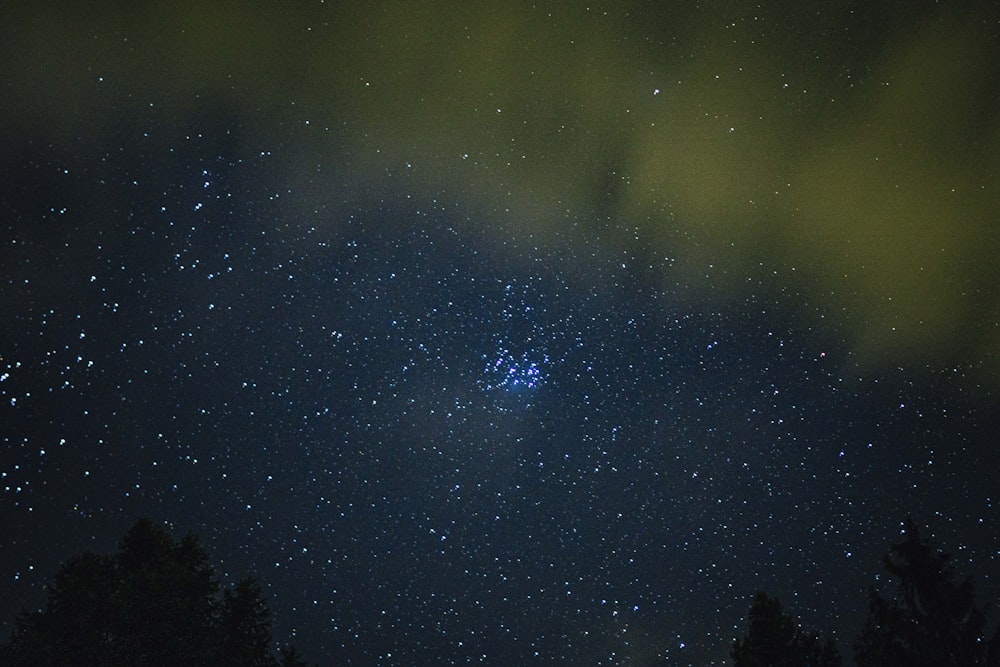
[863, 172]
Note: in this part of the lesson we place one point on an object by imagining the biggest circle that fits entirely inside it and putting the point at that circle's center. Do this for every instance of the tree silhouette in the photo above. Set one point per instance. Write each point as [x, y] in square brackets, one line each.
[154, 603]
[245, 628]
[290, 657]
[165, 597]
[775, 640]
[932, 620]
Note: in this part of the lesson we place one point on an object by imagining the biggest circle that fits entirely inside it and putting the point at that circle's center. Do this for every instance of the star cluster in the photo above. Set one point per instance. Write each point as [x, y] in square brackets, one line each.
[510, 372]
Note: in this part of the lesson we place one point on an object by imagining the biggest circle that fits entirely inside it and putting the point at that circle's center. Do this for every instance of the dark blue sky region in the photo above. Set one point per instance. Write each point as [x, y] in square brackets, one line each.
[449, 408]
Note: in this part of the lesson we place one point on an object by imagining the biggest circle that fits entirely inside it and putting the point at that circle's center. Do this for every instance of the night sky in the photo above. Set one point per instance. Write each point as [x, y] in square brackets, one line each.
[503, 333]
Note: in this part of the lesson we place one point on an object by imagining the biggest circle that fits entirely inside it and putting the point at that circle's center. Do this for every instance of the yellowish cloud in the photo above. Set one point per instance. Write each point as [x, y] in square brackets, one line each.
[721, 141]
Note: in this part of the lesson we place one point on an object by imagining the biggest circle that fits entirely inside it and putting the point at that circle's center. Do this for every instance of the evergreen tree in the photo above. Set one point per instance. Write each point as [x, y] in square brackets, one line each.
[245, 628]
[74, 628]
[933, 618]
[774, 639]
[165, 598]
[290, 657]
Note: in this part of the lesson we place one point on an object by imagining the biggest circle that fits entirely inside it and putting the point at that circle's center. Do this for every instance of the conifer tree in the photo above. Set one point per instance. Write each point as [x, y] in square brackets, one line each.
[931, 620]
[774, 639]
